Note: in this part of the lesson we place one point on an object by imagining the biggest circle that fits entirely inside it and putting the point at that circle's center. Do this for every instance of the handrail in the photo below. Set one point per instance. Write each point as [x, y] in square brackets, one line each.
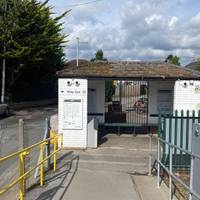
[169, 171]
[22, 154]
[25, 149]
[179, 148]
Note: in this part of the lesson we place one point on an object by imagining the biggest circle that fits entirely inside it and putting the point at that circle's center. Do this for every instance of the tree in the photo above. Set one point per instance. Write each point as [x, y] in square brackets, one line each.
[98, 56]
[173, 59]
[34, 44]
[198, 65]
[109, 84]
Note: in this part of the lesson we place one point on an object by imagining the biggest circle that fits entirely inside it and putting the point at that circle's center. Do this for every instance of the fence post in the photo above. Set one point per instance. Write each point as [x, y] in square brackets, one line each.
[195, 162]
[21, 133]
[150, 152]
[54, 152]
[158, 149]
[48, 148]
[41, 164]
[22, 171]
[170, 171]
[158, 164]
[191, 175]
[21, 145]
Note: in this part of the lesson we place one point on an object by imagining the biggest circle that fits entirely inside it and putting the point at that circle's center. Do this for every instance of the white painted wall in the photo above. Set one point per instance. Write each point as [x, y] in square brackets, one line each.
[96, 99]
[187, 95]
[154, 87]
[73, 137]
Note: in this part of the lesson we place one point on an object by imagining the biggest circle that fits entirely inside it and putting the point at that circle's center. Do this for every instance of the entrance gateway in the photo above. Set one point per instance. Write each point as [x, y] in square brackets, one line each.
[118, 94]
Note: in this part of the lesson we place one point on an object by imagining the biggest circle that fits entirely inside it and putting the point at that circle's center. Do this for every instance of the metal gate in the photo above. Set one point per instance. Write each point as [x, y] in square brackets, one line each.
[126, 102]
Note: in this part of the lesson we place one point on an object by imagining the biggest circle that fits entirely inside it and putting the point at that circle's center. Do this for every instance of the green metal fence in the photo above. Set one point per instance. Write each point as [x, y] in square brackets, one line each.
[176, 128]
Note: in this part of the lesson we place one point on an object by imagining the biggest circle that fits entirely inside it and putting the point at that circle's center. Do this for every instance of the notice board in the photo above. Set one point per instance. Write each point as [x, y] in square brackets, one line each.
[73, 114]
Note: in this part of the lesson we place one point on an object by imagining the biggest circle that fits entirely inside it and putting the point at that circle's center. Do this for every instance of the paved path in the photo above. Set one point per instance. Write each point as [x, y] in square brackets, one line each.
[80, 178]
[105, 173]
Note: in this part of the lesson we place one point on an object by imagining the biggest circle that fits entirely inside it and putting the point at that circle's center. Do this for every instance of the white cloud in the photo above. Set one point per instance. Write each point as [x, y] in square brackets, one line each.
[172, 23]
[144, 31]
[195, 20]
[155, 18]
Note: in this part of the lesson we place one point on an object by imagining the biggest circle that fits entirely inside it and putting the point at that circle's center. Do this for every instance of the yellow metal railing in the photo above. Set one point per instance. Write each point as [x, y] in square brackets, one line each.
[23, 175]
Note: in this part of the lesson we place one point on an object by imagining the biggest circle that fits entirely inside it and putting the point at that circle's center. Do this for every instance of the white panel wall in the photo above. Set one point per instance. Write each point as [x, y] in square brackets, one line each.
[96, 101]
[154, 87]
[187, 95]
[73, 138]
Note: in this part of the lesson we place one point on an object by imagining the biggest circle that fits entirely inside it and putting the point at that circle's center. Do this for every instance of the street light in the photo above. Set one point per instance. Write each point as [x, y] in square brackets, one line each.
[77, 52]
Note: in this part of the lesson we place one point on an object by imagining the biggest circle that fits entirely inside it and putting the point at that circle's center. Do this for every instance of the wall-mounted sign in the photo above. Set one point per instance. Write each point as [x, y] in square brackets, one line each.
[73, 114]
[165, 101]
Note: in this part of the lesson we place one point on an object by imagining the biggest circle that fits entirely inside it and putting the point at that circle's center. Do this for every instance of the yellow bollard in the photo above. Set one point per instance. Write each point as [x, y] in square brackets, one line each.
[41, 164]
[22, 171]
[54, 152]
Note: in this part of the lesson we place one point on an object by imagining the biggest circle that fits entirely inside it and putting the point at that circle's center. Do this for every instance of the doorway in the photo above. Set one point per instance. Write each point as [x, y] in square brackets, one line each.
[126, 104]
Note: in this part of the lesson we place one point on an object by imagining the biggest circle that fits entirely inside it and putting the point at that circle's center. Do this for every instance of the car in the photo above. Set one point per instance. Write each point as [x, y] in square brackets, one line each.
[4, 109]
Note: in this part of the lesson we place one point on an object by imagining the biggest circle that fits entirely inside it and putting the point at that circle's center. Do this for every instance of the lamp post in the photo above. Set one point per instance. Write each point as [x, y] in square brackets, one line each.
[77, 52]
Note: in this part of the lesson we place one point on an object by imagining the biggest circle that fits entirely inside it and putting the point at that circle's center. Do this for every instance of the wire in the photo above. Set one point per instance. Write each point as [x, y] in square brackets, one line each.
[82, 4]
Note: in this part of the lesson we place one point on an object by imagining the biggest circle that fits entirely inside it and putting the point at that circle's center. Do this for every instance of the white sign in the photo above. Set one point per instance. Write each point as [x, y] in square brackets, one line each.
[73, 114]
[197, 89]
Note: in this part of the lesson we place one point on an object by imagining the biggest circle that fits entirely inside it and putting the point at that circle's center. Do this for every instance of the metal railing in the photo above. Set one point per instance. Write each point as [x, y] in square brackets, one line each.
[169, 169]
[56, 140]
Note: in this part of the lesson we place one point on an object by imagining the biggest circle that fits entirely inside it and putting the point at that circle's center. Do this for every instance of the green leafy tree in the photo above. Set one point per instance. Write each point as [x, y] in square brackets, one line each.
[198, 66]
[32, 43]
[98, 56]
[173, 59]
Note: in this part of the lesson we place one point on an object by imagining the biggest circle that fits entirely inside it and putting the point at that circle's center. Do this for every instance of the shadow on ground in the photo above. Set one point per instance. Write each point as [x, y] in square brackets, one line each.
[57, 184]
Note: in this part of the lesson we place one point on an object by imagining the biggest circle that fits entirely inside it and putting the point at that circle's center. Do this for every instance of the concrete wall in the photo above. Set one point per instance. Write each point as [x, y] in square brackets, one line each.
[96, 99]
[154, 88]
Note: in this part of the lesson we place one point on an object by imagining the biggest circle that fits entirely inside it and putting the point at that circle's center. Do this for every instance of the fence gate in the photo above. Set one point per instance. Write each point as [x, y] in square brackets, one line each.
[126, 102]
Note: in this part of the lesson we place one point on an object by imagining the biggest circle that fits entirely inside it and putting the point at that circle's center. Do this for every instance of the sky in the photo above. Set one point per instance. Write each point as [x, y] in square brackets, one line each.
[132, 29]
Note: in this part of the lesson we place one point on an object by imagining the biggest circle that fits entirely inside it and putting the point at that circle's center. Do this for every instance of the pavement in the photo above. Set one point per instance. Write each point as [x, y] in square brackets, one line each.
[117, 170]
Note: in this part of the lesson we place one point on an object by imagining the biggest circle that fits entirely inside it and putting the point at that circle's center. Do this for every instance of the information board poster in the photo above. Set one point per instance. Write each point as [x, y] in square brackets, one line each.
[73, 114]
[165, 101]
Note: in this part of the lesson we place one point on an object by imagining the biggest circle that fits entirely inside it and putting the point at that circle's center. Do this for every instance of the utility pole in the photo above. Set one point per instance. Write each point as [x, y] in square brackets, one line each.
[77, 52]
[4, 63]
